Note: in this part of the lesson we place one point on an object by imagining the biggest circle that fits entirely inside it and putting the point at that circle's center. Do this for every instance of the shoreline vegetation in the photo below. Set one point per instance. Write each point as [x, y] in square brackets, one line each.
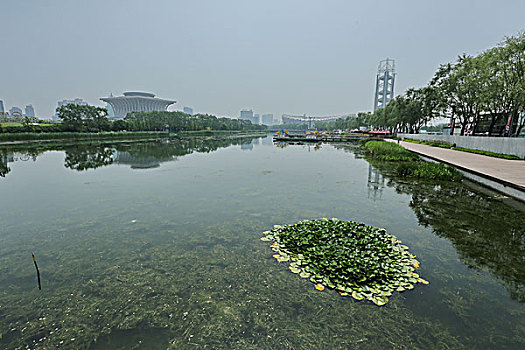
[14, 138]
[409, 164]
[90, 122]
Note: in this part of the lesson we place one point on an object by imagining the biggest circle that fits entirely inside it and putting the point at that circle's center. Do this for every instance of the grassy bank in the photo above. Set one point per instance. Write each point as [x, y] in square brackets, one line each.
[443, 144]
[29, 136]
[388, 151]
[409, 163]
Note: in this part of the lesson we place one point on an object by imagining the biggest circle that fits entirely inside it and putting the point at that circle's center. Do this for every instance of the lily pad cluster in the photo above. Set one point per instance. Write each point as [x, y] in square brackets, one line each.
[355, 259]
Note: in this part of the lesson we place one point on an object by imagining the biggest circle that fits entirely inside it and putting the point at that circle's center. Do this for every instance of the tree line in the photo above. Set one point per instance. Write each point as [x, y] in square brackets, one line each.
[86, 118]
[179, 121]
[484, 92]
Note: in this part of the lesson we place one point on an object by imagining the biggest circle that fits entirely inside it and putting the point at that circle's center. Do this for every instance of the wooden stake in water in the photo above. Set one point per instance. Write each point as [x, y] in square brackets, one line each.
[37, 272]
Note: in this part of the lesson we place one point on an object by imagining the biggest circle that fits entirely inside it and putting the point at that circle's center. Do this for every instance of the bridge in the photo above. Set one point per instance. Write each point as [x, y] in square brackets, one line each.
[310, 120]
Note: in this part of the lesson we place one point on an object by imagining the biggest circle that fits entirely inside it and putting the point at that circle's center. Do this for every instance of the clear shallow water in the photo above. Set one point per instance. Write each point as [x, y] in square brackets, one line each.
[156, 245]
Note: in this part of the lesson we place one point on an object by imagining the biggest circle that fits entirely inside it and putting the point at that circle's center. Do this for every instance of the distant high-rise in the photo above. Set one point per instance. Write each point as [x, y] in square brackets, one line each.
[136, 102]
[247, 114]
[2, 110]
[76, 101]
[384, 83]
[188, 110]
[267, 119]
[30, 111]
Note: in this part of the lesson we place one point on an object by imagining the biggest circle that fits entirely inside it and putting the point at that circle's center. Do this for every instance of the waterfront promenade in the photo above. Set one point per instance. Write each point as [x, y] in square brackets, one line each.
[509, 173]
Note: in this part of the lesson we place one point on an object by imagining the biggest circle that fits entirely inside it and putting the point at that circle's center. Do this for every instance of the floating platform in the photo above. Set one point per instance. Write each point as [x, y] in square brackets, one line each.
[324, 138]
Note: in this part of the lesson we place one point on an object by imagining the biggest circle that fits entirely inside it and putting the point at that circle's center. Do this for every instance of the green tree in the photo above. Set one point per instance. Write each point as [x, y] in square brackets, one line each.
[83, 118]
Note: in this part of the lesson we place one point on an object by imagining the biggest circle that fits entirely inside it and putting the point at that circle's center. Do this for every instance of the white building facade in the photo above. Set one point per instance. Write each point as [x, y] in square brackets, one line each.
[136, 102]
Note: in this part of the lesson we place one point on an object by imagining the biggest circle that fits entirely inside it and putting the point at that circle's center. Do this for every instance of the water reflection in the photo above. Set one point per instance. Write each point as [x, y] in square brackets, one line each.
[7, 157]
[487, 234]
[88, 157]
[375, 183]
[4, 159]
[139, 155]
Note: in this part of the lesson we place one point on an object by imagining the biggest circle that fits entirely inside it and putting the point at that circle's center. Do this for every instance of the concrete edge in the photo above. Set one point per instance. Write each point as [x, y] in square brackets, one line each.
[508, 188]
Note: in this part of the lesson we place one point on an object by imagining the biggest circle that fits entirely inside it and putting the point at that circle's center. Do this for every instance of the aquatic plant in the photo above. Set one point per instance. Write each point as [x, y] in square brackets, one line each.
[350, 257]
[389, 151]
[409, 164]
[428, 170]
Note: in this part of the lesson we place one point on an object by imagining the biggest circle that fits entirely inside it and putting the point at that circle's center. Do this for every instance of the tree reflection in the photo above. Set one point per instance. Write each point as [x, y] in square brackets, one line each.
[4, 168]
[487, 234]
[86, 157]
[143, 155]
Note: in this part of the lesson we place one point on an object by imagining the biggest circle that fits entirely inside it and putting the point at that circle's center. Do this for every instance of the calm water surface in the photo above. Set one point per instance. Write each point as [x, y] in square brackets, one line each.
[156, 245]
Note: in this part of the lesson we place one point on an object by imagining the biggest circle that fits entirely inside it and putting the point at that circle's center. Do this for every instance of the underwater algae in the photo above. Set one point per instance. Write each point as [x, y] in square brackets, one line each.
[217, 291]
[191, 276]
[350, 257]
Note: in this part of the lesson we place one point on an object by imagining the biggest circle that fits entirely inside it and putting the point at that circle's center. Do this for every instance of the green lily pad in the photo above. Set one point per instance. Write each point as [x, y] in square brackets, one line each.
[357, 295]
[294, 269]
[304, 274]
[348, 256]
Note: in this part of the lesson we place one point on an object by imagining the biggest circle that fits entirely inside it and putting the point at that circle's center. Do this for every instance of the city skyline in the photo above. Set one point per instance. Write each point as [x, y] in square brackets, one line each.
[291, 57]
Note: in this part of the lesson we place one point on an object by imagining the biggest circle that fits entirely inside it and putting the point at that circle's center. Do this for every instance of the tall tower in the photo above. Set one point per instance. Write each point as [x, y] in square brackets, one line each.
[384, 83]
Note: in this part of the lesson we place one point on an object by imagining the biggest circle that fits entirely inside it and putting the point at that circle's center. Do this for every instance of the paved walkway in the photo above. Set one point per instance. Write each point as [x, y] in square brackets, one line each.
[502, 170]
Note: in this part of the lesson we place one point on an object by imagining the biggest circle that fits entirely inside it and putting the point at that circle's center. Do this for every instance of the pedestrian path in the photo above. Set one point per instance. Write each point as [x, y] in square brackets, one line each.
[508, 172]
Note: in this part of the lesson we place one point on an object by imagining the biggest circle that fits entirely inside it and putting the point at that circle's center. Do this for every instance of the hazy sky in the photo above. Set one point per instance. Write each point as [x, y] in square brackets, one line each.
[275, 56]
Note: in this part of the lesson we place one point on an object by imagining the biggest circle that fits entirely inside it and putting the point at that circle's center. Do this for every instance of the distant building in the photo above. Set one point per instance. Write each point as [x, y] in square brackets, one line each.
[2, 110]
[267, 119]
[136, 102]
[247, 114]
[16, 112]
[76, 101]
[111, 113]
[30, 111]
[257, 119]
[188, 110]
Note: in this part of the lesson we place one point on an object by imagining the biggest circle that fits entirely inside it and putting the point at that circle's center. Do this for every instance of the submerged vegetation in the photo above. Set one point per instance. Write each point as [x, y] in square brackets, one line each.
[410, 164]
[188, 273]
[350, 257]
